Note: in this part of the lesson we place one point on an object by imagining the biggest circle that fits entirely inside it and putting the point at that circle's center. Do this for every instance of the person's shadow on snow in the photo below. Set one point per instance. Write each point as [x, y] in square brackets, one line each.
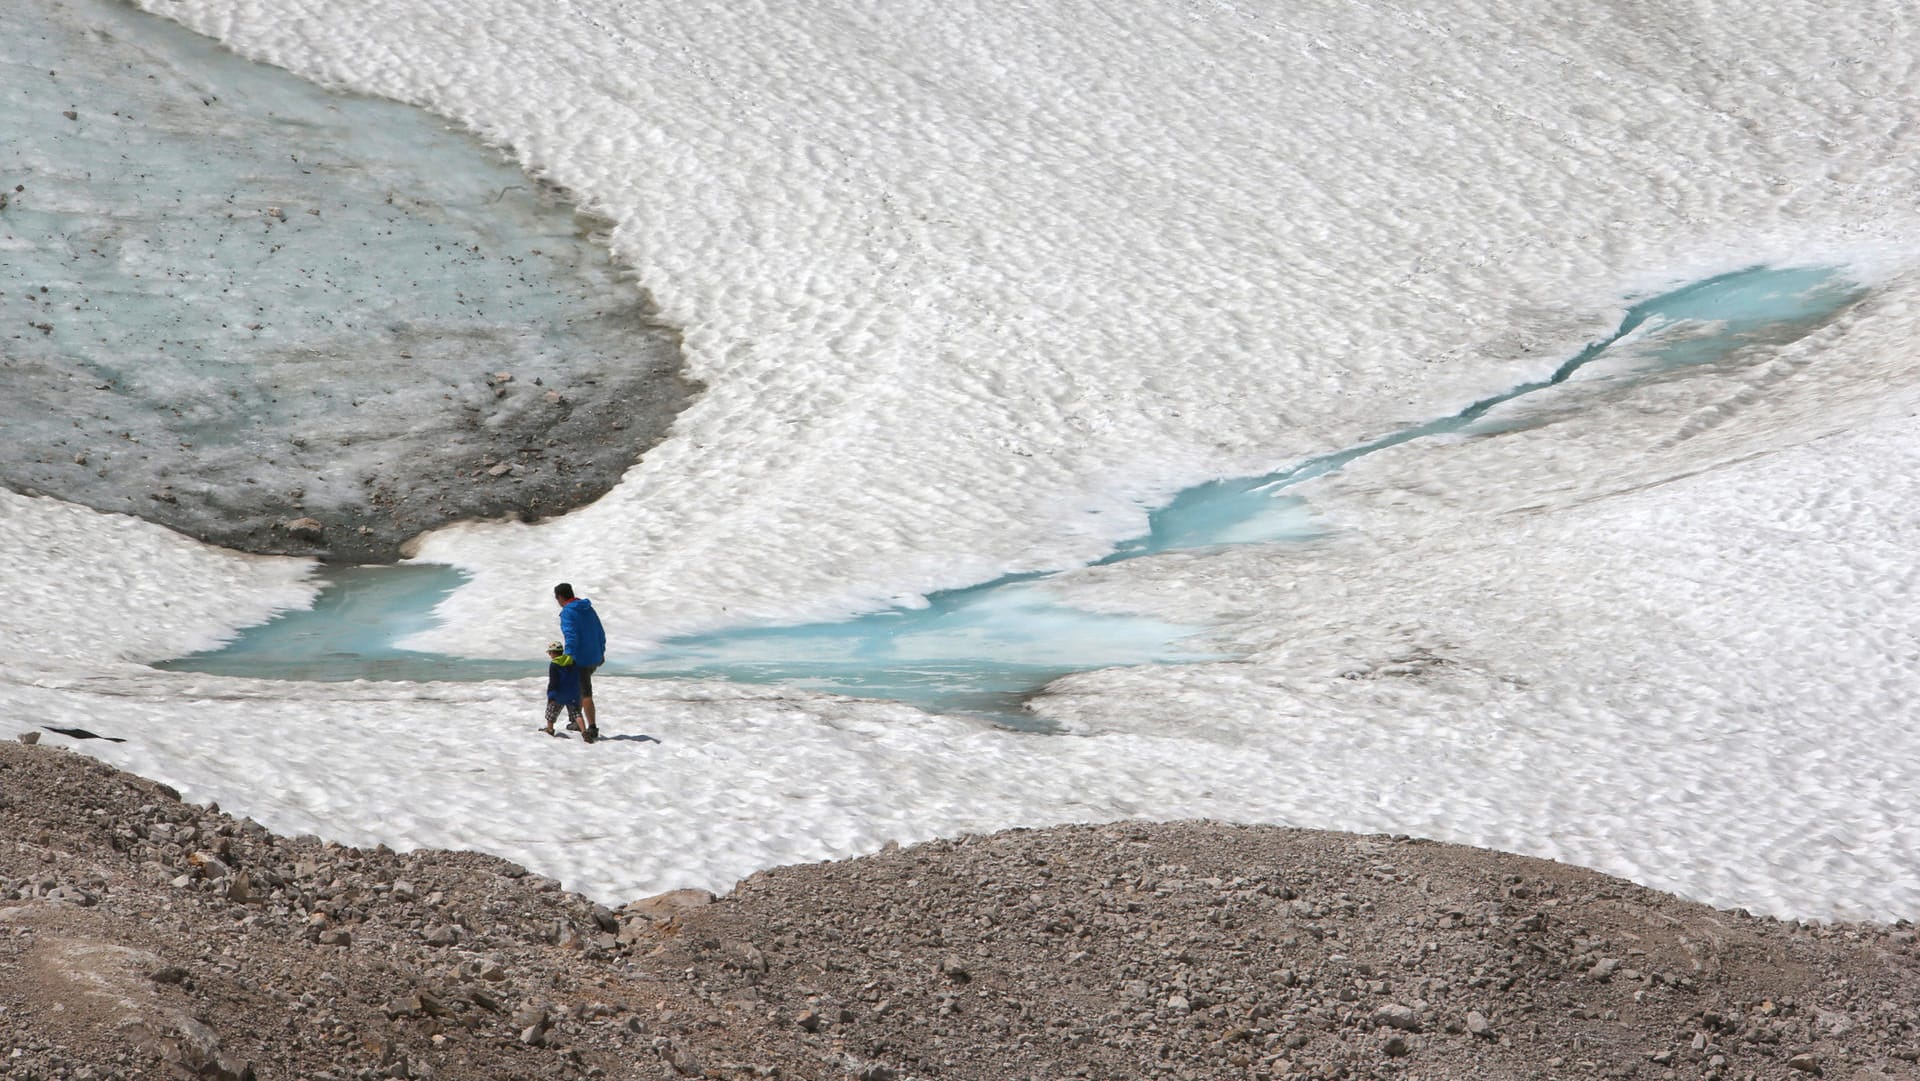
[627, 739]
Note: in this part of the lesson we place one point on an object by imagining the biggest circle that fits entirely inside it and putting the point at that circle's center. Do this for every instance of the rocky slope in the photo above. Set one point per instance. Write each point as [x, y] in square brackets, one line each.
[144, 937]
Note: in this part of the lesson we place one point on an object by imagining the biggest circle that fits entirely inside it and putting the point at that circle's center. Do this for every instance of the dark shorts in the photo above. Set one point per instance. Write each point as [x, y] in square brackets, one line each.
[586, 679]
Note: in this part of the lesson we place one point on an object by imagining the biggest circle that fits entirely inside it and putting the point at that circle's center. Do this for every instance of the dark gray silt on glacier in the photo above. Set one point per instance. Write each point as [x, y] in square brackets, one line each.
[284, 319]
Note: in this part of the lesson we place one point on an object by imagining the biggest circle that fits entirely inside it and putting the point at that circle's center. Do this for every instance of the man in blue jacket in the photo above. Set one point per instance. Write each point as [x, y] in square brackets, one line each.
[586, 643]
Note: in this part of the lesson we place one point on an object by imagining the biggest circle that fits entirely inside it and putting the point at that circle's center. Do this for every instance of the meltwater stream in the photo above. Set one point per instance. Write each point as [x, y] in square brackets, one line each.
[982, 650]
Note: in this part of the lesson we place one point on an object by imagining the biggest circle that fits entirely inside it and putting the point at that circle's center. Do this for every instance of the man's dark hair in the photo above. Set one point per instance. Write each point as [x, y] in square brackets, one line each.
[563, 591]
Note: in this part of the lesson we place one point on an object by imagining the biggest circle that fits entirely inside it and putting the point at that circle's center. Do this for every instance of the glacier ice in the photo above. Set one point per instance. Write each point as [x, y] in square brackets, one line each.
[234, 300]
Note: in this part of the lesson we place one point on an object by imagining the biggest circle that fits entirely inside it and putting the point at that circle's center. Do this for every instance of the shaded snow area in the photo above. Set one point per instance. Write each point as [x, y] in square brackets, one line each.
[972, 291]
[234, 301]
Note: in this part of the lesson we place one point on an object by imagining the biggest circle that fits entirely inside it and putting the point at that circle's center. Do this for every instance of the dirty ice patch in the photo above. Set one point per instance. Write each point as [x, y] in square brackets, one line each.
[232, 301]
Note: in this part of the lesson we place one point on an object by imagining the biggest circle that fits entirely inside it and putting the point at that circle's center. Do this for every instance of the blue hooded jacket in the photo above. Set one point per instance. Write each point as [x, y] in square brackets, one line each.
[580, 629]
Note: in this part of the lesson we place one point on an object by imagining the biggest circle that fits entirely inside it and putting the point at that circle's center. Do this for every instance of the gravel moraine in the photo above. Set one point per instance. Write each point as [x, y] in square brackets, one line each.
[144, 937]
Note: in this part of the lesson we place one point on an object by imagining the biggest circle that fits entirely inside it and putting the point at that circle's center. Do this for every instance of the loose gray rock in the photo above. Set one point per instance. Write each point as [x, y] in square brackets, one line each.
[531, 1015]
[746, 955]
[666, 906]
[195, 1047]
[240, 889]
[401, 1007]
[1397, 1016]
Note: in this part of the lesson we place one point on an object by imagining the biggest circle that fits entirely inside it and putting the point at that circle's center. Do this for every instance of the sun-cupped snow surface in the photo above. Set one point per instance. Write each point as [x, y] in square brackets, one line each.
[89, 591]
[971, 286]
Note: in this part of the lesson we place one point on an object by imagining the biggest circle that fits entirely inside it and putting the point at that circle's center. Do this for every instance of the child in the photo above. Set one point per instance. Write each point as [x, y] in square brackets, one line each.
[563, 689]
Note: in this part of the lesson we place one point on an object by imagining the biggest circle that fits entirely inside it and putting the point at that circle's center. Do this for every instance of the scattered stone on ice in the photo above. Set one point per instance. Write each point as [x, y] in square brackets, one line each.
[308, 529]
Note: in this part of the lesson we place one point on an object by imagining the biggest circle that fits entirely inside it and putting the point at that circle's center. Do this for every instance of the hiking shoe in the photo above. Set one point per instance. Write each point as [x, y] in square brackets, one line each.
[593, 734]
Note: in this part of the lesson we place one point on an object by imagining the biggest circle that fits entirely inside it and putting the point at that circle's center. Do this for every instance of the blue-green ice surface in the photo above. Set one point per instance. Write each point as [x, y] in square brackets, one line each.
[982, 650]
